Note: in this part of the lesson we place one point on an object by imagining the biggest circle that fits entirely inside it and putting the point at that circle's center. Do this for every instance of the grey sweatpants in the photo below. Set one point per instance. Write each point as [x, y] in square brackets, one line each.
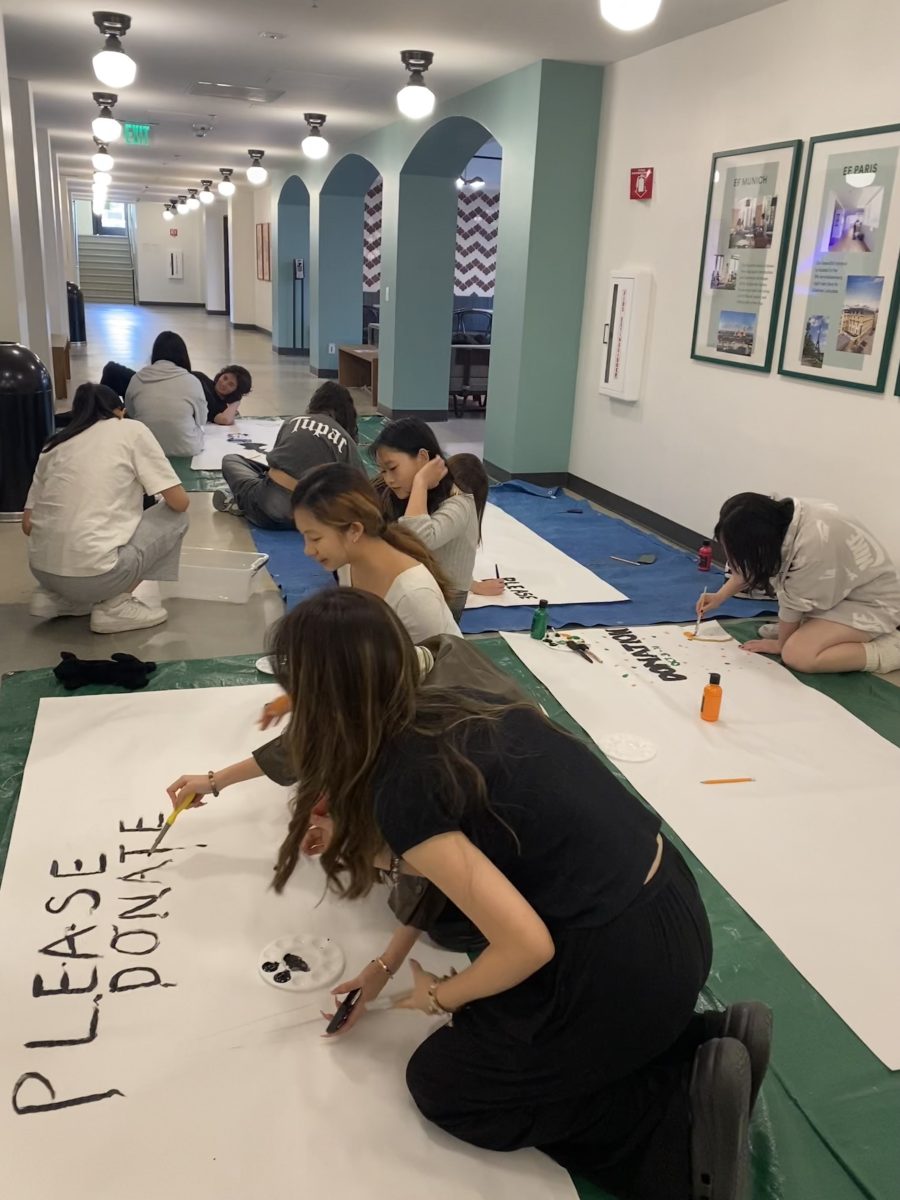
[152, 553]
[262, 502]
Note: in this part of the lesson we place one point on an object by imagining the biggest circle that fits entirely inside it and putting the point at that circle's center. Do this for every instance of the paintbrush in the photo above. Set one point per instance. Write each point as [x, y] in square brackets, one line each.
[580, 650]
[497, 570]
[699, 617]
[170, 819]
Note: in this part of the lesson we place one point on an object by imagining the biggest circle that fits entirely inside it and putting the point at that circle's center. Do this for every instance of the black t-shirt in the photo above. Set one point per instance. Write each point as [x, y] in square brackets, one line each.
[585, 843]
[215, 404]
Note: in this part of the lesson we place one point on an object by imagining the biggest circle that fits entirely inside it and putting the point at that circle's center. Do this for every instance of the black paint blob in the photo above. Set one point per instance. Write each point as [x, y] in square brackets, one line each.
[270, 966]
[282, 977]
[295, 962]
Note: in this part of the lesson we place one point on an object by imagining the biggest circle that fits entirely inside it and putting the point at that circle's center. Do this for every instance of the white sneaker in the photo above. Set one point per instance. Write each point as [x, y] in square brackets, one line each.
[883, 653]
[123, 613]
[224, 502]
[47, 605]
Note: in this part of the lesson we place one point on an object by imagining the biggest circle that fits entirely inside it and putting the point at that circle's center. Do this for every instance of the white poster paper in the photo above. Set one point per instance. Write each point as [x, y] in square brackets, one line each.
[141, 1051]
[533, 569]
[251, 437]
[809, 847]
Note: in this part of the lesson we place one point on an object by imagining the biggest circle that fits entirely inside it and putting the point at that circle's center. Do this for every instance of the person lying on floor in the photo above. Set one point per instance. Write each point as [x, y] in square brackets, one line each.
[90, 540]
[838, 591]
[574, 1030]
[261, 492]
[421, 494]
[168, 398]
[224, 393]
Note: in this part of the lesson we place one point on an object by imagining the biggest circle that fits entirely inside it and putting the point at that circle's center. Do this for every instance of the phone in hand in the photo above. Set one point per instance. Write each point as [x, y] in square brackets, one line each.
[343, 1011]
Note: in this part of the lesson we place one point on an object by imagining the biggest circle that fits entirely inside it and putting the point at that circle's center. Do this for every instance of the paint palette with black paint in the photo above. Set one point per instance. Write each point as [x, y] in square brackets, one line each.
[301, 963]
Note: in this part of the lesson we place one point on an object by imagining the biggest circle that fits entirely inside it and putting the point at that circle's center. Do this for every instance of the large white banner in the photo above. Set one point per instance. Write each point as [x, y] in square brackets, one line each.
[533, 569]
[249, 436]
[142, 1053]
[808, 847]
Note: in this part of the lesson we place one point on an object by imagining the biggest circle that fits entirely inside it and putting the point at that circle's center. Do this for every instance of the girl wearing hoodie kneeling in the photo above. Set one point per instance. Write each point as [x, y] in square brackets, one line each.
[168, 399]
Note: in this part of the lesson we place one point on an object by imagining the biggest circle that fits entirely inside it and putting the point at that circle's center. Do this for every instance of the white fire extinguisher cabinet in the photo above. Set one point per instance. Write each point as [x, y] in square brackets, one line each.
[625, 332]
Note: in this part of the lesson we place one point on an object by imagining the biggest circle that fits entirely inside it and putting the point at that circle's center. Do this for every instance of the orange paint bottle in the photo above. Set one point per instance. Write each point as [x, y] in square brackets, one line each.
[712, 699]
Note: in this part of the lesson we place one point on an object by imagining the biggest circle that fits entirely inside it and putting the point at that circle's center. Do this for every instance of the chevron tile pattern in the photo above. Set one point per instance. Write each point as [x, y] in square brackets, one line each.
[477, 218]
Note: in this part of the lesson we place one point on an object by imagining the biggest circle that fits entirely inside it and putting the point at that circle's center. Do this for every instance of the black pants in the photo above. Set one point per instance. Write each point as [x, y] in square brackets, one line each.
[264, 503]
[601, 1085]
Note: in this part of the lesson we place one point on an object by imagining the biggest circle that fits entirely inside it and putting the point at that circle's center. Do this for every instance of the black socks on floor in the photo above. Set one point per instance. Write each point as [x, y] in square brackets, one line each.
[122, 669]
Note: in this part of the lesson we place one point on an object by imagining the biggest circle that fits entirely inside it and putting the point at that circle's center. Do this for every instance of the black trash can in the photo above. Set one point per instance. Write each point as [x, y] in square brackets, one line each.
[77, 328]
[26, 421]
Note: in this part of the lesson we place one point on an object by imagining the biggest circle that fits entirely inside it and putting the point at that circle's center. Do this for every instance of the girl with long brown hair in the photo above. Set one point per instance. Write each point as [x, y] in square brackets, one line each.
[574, 1030]
[345, 530]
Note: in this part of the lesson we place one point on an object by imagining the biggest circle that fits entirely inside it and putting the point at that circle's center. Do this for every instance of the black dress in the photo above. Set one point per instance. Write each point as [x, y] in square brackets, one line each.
[586, 1058]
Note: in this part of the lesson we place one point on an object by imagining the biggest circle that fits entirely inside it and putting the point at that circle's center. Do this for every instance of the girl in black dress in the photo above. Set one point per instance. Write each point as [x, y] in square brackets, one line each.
[574, 1030]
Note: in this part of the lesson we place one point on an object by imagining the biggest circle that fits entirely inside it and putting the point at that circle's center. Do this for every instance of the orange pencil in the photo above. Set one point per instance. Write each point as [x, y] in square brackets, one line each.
[746, 779]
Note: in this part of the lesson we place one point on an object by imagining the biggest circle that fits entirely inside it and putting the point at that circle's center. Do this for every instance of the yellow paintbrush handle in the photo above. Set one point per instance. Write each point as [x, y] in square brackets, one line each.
[176, 812]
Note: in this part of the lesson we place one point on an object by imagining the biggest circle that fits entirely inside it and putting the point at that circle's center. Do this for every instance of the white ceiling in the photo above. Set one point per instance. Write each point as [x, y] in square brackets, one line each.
[340, 57]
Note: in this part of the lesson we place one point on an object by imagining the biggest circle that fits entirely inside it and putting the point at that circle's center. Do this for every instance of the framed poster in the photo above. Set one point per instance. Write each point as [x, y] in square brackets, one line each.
[264, 252]
[748, 217]
[843, 298]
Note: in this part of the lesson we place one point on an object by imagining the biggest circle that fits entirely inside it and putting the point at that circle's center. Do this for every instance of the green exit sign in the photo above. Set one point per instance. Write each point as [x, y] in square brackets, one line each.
[136, 135]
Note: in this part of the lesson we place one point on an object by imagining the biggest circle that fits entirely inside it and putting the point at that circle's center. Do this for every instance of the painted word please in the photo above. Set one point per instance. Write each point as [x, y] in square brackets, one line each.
[645, 656]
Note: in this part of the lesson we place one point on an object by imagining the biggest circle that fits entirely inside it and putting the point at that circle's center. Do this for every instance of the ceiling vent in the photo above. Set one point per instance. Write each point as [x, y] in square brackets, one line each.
[230, 91]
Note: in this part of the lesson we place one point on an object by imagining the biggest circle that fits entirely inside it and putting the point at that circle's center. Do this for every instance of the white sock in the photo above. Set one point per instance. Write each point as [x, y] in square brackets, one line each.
[883, 653]
[426, 661]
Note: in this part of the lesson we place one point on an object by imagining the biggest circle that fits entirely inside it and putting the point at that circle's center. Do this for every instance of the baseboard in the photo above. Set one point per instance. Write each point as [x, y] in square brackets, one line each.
[249, 325]
[670, 530]
[541, 478]
[323, 372]
[294, 351]
[217, 312]
[171, 304]
[434, 415]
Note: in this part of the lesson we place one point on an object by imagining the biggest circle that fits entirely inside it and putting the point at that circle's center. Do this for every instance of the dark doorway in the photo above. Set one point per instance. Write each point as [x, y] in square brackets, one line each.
[227, 266]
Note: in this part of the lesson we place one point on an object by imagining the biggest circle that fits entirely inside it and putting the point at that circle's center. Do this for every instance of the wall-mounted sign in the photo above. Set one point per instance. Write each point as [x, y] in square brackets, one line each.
[641, 183]
[136, 135]
[173, 233]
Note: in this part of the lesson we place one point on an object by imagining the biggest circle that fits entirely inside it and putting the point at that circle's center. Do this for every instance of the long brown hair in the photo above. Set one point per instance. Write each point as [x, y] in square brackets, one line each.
[469, 475]
[340, 495]
[352, 670]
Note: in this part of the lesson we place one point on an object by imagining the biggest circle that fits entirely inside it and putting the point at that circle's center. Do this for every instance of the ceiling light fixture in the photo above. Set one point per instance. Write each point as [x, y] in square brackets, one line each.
[112, 65]
[102, 160]
[193, 202]
[859, 177]
[181, 206]
[102, 178]
[256, 174]
[314, 145]
[168, 212]
[415, 99]
[226, 187]
[207, 196]
[629, 15]
[105, 127]
[98, 204]
[476, 183]
[270, 37]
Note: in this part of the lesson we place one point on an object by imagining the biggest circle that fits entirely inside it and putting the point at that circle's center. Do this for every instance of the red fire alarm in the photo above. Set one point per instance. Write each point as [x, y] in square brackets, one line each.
[641, 183]
[173, 233]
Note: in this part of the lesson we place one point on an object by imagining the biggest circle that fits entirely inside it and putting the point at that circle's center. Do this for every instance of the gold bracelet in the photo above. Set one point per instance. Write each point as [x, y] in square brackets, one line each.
[435, 1008]
[387, 970]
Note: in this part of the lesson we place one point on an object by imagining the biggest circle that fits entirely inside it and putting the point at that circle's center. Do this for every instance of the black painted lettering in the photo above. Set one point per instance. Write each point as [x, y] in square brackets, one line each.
[71, 950]
[141, 827]
[118, 938]
[64, 904]
[54, 1105]
[65, 989]
[58, 874]
[116, 985]
[145, 902]
[91, 1034]
[141, 875]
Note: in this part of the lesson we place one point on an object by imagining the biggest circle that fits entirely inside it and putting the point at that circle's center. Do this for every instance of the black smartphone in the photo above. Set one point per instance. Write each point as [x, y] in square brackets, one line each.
[343, 1011]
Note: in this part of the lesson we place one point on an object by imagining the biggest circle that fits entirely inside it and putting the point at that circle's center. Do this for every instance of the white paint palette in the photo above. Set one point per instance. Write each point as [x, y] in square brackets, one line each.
[301, 963]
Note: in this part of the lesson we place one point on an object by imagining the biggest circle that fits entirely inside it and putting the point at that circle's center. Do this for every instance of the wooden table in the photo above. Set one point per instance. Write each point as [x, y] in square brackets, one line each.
[62, 370]
[358, 368]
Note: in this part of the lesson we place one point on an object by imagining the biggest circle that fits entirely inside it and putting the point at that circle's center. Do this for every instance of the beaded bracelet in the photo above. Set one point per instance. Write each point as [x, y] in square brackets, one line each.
[212, 782]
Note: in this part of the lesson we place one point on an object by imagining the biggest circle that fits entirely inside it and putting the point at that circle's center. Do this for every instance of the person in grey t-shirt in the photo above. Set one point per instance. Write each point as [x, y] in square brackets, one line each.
[261, 492]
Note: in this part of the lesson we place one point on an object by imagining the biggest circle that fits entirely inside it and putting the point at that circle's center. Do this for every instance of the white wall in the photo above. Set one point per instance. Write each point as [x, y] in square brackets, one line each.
[84, 222]
[214, 256]
[702, 432]
[154, 239]
[262, 215]
[242, 256]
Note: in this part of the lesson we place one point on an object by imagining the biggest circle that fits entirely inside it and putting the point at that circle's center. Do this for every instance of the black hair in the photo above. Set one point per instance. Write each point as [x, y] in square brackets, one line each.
[409, 435]
[752, 528]
[335, 401]
[242, 376]
[170, 347]
[93, 402]
[470, 476]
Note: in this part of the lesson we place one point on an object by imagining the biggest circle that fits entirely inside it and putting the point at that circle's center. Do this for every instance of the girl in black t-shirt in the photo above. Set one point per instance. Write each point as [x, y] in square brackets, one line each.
[574, 1030]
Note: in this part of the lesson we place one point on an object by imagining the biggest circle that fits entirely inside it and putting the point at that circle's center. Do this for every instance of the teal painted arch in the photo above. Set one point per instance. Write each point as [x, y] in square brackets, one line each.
[446, 147]
[352, 175]
[291, 310]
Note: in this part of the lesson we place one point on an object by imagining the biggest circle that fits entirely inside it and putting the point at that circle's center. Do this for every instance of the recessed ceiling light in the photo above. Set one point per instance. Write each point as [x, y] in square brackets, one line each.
[269, 36]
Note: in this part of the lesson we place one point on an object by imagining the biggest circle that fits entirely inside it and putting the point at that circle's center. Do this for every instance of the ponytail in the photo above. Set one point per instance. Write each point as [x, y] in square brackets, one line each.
[407, 543]
[93, 402]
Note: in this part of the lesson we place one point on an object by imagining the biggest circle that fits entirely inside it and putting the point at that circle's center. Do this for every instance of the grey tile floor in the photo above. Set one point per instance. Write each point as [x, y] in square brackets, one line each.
[282, 386]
